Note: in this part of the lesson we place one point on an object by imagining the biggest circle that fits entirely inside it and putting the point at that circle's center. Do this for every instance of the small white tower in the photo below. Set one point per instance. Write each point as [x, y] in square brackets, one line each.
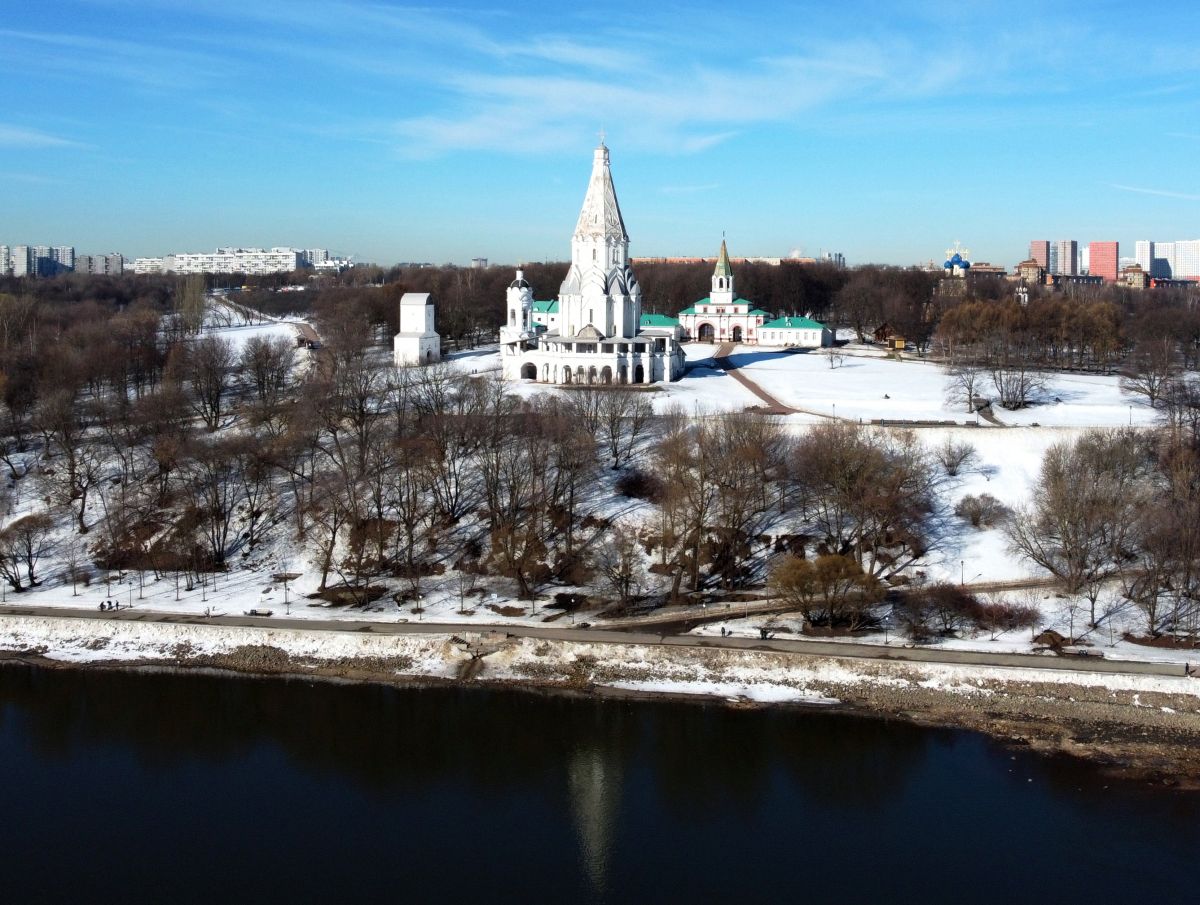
[416, 343]
[519, 324]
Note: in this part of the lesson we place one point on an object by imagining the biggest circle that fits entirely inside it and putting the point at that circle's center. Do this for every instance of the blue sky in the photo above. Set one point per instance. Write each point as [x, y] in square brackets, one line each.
[396, 132]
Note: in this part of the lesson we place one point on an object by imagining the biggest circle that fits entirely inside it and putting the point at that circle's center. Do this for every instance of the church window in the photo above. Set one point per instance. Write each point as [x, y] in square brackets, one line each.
[593, 254]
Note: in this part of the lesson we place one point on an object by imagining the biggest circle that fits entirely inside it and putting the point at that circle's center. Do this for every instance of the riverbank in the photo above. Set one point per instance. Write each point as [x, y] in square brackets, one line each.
[1140, 726]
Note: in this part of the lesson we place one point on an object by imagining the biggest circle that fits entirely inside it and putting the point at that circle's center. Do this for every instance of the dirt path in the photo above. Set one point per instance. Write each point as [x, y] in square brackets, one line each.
[773, 406]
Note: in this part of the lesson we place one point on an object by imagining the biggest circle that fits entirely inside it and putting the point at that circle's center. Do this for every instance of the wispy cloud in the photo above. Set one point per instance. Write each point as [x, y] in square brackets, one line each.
[1182, 196]
[20, 137]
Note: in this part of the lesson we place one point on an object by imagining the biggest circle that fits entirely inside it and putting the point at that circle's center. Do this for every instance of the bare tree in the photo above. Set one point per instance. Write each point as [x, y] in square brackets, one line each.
[620, 564]
[208, 366]
[1080, 525]
[625, 417]
[964, 381]
[956, 456]
[267, 364]
[1152, 367]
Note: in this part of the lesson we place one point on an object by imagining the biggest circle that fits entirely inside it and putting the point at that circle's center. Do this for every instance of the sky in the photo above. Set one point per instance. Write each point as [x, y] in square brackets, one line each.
[881, 130]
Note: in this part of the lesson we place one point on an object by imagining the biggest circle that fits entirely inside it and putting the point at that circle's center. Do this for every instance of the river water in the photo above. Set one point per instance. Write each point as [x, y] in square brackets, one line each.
[123, 788]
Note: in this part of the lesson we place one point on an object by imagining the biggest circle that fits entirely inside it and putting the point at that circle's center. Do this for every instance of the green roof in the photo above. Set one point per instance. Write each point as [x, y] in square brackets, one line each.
[658, 320]
[759, 311]
[792, 323]
[691, 309]
[545, 307]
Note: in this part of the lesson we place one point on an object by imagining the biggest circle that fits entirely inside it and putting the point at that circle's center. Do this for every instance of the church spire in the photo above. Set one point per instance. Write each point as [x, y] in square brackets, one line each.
[723, 269]
[600, 217]
[722, 278]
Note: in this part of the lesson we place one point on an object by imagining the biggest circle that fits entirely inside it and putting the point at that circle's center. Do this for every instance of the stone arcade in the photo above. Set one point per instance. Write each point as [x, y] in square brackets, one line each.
[598, 337]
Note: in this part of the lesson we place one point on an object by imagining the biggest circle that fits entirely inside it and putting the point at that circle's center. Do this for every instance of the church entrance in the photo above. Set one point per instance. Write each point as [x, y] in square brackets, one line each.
[706, 333]
[639, 374]
[737, 334]
[529, 372]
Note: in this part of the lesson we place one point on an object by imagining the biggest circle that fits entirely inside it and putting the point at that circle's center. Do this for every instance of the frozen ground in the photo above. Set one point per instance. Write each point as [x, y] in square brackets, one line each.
[724, 673]
[1009, 460]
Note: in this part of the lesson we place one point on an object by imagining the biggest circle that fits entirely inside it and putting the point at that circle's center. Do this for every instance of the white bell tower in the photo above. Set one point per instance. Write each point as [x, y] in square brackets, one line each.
[519, 297]
[416, 343]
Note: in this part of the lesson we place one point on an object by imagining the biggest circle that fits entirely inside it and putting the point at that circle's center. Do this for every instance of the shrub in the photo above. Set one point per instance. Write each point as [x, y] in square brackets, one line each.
[1000, 617]
[640, 485]
[956, 456]
[941, 609]
[982, 511]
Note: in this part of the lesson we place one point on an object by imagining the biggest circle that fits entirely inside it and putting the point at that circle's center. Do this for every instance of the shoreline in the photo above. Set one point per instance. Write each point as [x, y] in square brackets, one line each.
[1138, 728]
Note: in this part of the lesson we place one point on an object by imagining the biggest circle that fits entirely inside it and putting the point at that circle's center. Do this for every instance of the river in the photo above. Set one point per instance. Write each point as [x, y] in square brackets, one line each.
[179, 788]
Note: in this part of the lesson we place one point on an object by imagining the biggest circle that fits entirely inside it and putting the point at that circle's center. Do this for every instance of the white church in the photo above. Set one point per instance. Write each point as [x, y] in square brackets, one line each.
[598, 338]
[416, 343]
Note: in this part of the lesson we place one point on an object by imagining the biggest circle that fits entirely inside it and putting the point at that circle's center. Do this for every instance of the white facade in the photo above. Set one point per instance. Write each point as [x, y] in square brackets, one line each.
[1187, 260]
[23, 262]
[236, 260]
[795, 333]
[1144, 254]
[598, 337]
[722, 316]
[148, 265]
[5, 261]
[417, 343]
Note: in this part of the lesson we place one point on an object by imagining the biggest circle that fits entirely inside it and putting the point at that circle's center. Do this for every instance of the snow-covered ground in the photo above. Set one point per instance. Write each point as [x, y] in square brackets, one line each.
[724, 673]
[1007, 467]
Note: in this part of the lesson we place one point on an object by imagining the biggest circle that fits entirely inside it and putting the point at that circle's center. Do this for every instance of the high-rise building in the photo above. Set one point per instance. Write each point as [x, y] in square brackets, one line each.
[1187, 260]
[1162, 262]
[1066, 257]
[100, 264]
[5, 261]
[1143, 254]
[63, 257]
[1039, 250]
[23, 261]
[1102, 260]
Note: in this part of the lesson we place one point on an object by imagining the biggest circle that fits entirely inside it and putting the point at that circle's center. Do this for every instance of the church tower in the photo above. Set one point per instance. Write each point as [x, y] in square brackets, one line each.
[520, 309]
[600, 288]
[722, 279]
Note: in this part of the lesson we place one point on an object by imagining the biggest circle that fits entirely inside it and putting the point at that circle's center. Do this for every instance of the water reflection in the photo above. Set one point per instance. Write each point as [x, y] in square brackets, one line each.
[325, 792]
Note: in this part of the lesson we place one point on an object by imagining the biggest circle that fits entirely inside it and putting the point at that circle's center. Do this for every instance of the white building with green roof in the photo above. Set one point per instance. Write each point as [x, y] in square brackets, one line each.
[795, 332]
[725, 318]
[592, 333]
[722, 317]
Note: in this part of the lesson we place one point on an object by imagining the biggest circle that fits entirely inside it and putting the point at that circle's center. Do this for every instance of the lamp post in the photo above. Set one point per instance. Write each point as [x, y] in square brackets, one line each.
[962, 573]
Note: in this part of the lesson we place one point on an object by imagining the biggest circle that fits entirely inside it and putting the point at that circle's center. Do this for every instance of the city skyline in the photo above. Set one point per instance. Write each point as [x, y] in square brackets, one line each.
[397, 133]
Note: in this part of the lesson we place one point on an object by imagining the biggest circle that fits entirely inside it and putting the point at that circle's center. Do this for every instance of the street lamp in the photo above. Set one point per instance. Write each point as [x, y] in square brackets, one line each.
[962, 573]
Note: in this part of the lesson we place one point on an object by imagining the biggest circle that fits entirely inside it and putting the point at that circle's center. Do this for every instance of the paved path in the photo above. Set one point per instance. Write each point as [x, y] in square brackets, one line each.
[589, 635]
[725, 363]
